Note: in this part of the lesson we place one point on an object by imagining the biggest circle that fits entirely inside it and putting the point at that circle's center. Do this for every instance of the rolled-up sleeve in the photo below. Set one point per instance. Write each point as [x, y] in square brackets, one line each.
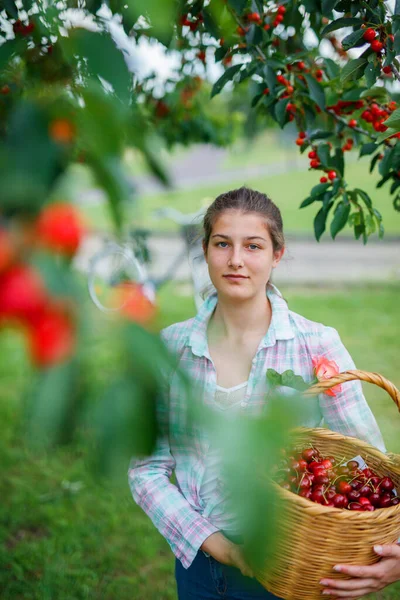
[348, 412]
[184, 528]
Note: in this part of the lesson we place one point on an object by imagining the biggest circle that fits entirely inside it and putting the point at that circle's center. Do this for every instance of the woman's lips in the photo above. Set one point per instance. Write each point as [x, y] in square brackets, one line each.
[235, 277]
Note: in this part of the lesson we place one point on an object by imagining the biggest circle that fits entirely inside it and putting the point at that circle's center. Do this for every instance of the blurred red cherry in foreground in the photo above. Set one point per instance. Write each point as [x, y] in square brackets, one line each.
[60, 228]
[51, 338]
[22, 293]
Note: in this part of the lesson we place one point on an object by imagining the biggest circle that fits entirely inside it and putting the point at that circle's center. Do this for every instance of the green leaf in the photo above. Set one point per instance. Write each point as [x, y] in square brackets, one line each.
[320, 222]
[9, 49]
[280, 111]
[307, 201]
[316, 90]
[353, 70]
[386, 134]
[375, 92]
[10, 7]
[327, 7]
[372, 72]
[270, 77]
[319, 190]
[394, 120]
[286, 379]
[274, 378]
[323, 152]
[396, 204]
[364, 196]
[340, 218]
[385, 164]
[256, 99]
[289, 379]
[332, 68]
[319, 134]
[102, 57]
[225, 77]
[338, 161]
[339, 23]
[368, 148]
[238, 5]
[352, 40]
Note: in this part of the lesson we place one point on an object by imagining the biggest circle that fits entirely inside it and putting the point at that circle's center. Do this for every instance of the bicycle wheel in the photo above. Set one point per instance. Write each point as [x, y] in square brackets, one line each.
[110, 272]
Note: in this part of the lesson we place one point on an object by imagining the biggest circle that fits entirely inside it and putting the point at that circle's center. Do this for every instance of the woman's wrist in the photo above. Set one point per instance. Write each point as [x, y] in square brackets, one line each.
[219, 547]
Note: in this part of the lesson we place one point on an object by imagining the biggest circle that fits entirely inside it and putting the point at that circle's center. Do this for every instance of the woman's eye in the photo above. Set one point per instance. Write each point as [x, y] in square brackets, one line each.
[222, 243]
[254, 247]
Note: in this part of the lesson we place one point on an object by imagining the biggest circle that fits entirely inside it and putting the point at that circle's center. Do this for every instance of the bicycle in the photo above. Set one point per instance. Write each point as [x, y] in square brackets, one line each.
[125, 262]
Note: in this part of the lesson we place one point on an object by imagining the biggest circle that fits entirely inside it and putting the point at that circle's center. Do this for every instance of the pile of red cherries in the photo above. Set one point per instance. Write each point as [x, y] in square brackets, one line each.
[333, 482]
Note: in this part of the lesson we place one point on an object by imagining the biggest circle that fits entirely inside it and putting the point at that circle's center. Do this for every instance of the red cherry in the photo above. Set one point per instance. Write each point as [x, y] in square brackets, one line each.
[327, 464]
[364, 501]
[278, 19]
[352, 123]
[60, 228]
[367, 472]
[368, 508]
[369, 34]
[302, 464]
[322, 479]
[301, 65]
[281, 79]
[353, 495]
[305, 493]
[305, 482]
[281, 10]
[395, 501]
[323, 180]
[300, 142]
[51, 338]
[365, 490]
[266, 91]
[294, 465]
[386, 484]
[344, 487]
[376, 45]
[387, 69]
[375, 499]
[312, 154]
[314, 163]
[332, 176]
[302, 135]
[22, 293]
[317, 496]
[340, 501]
[355, 506]
[385, 501]
[308, 454]
[313, 465]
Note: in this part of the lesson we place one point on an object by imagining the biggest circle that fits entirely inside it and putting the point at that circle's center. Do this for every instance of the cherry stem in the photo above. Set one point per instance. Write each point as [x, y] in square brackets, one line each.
[395, 72]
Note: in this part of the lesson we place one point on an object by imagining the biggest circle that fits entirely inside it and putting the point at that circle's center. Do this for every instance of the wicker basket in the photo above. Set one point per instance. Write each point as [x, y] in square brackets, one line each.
[313, 538]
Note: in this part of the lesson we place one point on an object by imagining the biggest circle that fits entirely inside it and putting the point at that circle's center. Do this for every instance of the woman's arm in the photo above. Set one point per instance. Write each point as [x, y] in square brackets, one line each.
[348, 412]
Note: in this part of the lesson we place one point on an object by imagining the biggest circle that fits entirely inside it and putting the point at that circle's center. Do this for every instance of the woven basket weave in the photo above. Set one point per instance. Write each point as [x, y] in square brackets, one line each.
[312, 538]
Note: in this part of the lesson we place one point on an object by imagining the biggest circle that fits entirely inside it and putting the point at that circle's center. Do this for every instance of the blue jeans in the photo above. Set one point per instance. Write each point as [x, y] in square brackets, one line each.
[208, 579]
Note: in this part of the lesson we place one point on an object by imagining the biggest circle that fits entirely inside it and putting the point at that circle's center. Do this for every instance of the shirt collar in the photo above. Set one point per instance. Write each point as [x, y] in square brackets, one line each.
[280, 327]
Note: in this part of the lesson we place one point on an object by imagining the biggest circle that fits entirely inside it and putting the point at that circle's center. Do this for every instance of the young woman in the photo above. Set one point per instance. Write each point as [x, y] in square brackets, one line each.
[241, 330]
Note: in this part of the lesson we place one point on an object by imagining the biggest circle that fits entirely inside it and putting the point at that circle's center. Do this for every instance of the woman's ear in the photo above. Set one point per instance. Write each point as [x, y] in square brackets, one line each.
[277, 257]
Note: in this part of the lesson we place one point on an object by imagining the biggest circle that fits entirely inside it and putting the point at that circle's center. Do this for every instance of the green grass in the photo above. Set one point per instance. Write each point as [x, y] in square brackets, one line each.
[96, 543]
[286, 190]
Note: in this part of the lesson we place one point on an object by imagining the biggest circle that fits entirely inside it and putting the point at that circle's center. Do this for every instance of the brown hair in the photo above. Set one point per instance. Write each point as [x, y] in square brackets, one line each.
[247, 201]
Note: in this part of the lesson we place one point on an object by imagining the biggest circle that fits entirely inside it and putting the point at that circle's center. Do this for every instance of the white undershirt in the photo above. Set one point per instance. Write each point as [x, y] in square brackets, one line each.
[212, 489]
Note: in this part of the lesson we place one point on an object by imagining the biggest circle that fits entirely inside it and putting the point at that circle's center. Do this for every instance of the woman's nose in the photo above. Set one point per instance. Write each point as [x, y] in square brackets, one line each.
[236, 258]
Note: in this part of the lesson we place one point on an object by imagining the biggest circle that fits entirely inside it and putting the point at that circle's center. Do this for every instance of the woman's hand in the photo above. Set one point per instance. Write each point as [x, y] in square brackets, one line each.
[226, 552]
[366, 580]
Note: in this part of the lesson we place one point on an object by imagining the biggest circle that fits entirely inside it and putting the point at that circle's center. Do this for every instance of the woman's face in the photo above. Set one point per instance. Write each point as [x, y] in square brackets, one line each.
[240, 245]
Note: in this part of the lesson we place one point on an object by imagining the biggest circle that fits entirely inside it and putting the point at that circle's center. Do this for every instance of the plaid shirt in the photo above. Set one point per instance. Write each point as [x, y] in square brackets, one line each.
[291, 341]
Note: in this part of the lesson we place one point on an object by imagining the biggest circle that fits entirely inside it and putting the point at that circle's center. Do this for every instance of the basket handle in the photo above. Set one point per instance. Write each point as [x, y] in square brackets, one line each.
[375, 378]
